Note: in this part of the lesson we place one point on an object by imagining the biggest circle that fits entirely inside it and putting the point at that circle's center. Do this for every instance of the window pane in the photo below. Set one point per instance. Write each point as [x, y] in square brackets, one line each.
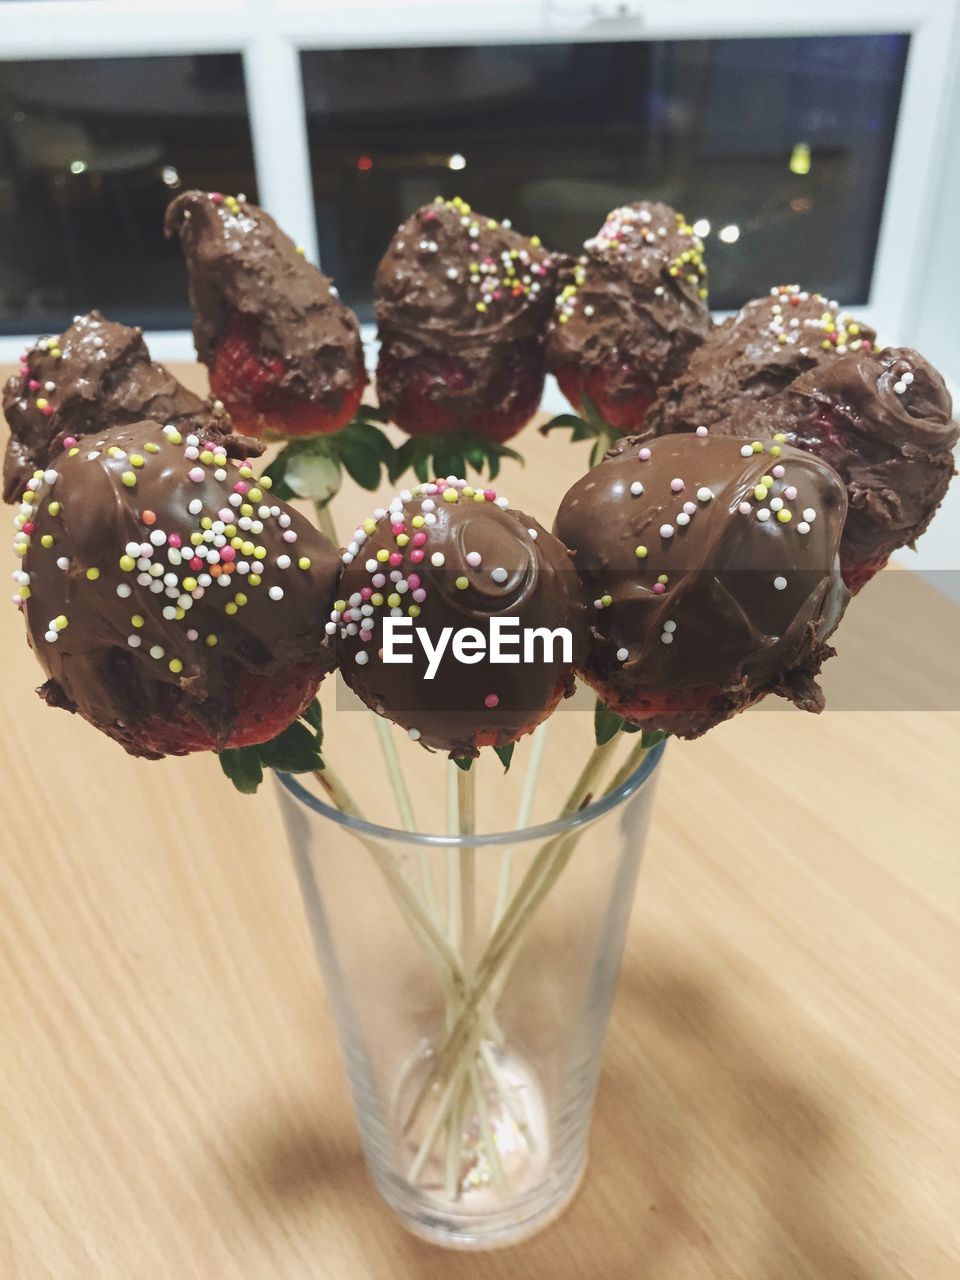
[90, 153]
[782, 145]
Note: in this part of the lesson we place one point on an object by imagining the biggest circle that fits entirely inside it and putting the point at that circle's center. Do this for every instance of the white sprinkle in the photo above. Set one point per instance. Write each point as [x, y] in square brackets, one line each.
[499, 575]
[220, 474]
[666, 637]
[623, 655]
[124, 590]
[533, 534]
[438, 559]
[670, 626]
[158, 537]
[763, 515]
[414, 734]
[52, 636]
[275, 593]
[746, 451]
[809, 514]
[346, 558]
[704, 494]
[683, 519]
[666, 531]
[330, 628]
[428, 505]
[474, 559]
[156, 652]
[803, 527]
[780, 583]
[502, 503]
[790, 492]
[362, 658]
[636, 488]
[169, 612]
[196, 506]
[906, 379]
[702, 431]
[899, 388]
[776, 504]
[284, 562]
[744, 508]
[51, 476]
[370, 566]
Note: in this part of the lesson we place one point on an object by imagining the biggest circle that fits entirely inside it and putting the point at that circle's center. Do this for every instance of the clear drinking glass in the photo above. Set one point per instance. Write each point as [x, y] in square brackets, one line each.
[471, 980]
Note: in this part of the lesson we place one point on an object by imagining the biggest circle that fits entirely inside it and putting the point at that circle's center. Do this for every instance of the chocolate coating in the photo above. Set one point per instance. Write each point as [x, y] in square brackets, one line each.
[102, 377]
[523, 573]
[241, 264]
[636, 308]
[755, 355]
[882, 420]
[732, 595]
[135, 656]
[457, 284]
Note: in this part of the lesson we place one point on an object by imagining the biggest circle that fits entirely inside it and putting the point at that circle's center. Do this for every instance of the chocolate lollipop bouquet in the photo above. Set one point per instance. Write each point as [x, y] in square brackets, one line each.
[178, 603]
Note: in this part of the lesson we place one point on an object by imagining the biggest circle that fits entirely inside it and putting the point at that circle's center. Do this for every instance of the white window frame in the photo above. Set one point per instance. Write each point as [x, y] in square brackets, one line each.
[270, 35]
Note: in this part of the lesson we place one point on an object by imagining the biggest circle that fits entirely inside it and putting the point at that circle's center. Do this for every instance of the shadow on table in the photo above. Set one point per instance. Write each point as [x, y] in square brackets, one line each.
[707, 1162]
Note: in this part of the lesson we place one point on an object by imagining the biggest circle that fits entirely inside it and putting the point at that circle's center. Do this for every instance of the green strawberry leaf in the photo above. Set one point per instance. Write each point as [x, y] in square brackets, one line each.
[295, 750]
[242, 766]
[450, 455]
[314, 717]
[505, 755]
[652, 736]
[463, 762]
[606, 723]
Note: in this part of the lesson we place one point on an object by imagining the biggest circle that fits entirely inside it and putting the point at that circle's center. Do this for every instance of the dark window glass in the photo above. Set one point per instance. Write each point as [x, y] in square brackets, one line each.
[782, 145]
[90, 153]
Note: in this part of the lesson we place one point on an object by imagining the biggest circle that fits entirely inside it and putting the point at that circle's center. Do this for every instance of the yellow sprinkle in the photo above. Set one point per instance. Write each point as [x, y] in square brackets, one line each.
[72, 453]
[413, 610]
[176, 666]
[260, 552]
[206, 457]
[535, 240]
[760, 492]
[450, 495]
[266, 482]
[339, 606]
[173, 435]
[129, 479]
[246, 509]
[418, 522]
[29, 497]
[782, 339]
[25, 593]
[481, 306]
[402, 539]
[247, 548]
[757, 447]
[240, 599]
[780, 437]
[180, 614]
[370, 525]
[776, 450]
[189, 584]
[478, 497]
[21, 550]
[60, 623]
[304, 562]
[114, 452]
[42, 403]
[383, 556]
[47, 540]
[211, 640]
[230, 608]
[254, 495]
[246, 473]
[767, 480]
[254, 579]
[127, 564]
[376, 599]
[151, 447]
[641, 553]
[468, 491]
[206, 522]
[784, 516]
[235, 540]
[704, 293]
[606, 601]
[462, 583]
[853, 330]
[663, 579]
[393, 600]
[136, 460]
[93, 574]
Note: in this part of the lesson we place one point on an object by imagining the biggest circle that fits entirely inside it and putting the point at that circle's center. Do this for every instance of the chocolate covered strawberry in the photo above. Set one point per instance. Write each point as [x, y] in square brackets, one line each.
[462, 303]
[284, 353]
[634, 311]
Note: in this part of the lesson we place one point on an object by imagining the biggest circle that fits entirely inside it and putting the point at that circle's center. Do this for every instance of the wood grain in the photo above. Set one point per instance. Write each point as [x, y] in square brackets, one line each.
[779, 1096]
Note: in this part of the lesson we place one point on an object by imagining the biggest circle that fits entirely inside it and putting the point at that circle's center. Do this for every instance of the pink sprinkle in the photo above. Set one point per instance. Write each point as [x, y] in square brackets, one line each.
[396, 559]
[702, 431]
[658, 588]
[490, 495]
[196, 564]
[193, 635]
[690, 508]
[289, 535]
[473, 559]
[241, 487]
[175, 540]
[676, 485]
[644, 455]
[429, 216]
[47, 410]
[491, 700]
[216, 197]
[69, 442]
[29, 527]
[419, 539]
[379, 580]
[744, 508]
[196, 474]
[366, 636]
[413, 581]
[228, 553]
[33, 384]
[419, 595]
[398, 528]
[790, 492]
[366, 593]
[777, 472]
[416, 556]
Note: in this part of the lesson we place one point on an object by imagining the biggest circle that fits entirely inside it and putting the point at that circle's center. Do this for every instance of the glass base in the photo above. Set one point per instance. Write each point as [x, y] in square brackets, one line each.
[498, 1182]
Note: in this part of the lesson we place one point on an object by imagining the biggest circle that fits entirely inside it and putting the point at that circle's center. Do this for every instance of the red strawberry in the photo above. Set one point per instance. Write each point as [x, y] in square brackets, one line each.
[623, 412]
[251, 386]
[437, 394]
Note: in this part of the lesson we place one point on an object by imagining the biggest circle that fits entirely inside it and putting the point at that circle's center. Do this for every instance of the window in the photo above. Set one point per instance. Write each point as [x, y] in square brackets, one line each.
[780, 145]
[91, 150]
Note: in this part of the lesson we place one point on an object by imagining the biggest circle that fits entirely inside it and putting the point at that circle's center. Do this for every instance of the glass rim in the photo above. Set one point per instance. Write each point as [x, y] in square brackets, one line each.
[543, 831]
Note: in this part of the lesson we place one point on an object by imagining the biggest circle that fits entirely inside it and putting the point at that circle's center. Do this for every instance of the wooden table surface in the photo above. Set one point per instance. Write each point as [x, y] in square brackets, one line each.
[780, 1092]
